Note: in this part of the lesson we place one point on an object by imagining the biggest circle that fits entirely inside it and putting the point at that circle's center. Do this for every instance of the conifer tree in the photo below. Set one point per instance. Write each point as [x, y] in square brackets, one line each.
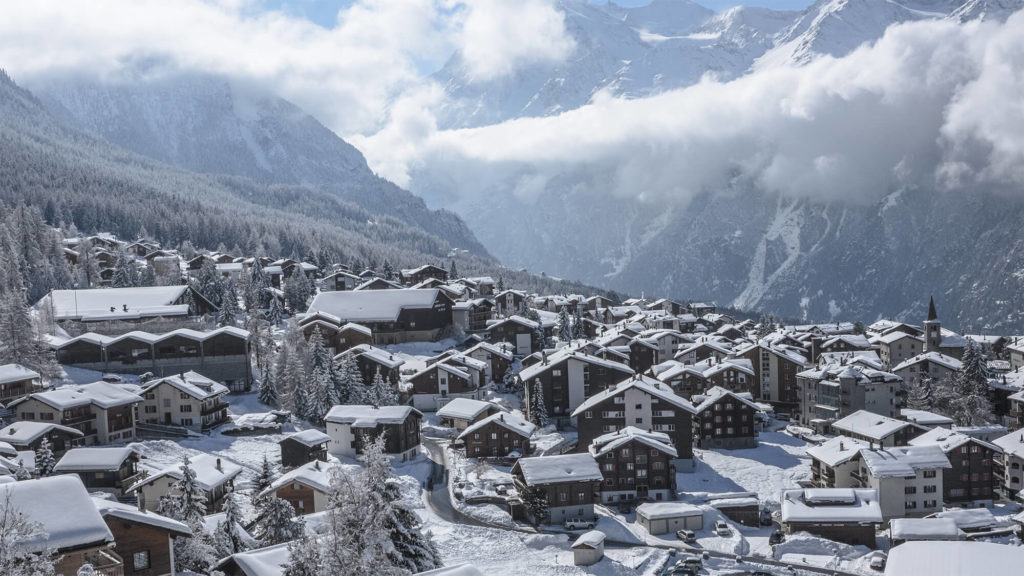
[126, 273]
[539, 408]
[263, 480]
[579, 329]
[274, 311]
[87, 270]
[148, 277]
[18, 540]
[226, 539]
[228, 312]
[45, 460]
[453, 272]
[268, 390]
[535, 501]
[208, 282]
[304, 557]
[501, 284]
[389, 271]
[276, 522]
[564, 327]
[383, 393]
[297, 290]
[919, 394]
[256, 296]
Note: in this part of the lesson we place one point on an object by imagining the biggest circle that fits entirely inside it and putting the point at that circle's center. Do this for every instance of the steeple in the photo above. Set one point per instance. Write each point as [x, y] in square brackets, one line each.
[932, 329]
[931, 309]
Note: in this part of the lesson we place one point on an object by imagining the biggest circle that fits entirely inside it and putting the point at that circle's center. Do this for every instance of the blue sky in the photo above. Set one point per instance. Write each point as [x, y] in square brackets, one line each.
[323, 12]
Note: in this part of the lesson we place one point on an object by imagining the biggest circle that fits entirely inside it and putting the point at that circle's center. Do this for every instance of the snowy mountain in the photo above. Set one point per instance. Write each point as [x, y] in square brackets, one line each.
[799, 258]
[205, 124]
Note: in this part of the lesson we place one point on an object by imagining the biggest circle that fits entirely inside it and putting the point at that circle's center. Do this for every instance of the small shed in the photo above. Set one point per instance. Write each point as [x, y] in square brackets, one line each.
[741, 507]
[304, 447]
[668, 517]
[588, 549]
[915, 529]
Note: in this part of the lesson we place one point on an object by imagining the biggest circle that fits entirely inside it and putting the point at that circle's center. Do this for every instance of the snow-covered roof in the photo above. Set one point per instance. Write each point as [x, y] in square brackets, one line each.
[948, 440]
[315, 474]
[651, 386]
[102, 394]
[355, 328]
[152, 338]
[211, 471]
[904, 461]
[88, 459]
[192, 383]
[502, 349]
[454, 370]
[96, 304]
[16, 373]
[870, 425]
[418, 269]
[962, 558]
[934, 357]
[311, 437]
[457, 570]
[269, 561]
[591, 539]
[969, 518]
[712, 395]
[893, 337]
[831, 505]
[129, 513]
[924, 529]
[836, 451]
[561, 468]
[662, 510]
[372, 305]
[1012, 443]
[365, 416]
[378, 355]
[613, 440]
[852, 340]
[25, 433]
[505, 420]
[925, 418]
[61, 505]
[530, 372]
[464, 408]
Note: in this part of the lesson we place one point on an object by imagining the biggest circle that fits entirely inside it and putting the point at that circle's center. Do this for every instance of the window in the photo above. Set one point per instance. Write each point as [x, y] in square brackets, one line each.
[640, 420]
[150, 396]
[929, 489]
[183, 396]
[639, 406]
[563, 497]
[658, 465]
[718, 431]
[588, 414]
[910, 505]
[581, 497]
[150, 409]
[476, 435]
[186, 407]
[167, 402]
[494, 436]
[910, 490]
[929, 473]
[140, 560]
[556, 372]
[186, 421]
[624, 453]
[608, 467]
[46, 415]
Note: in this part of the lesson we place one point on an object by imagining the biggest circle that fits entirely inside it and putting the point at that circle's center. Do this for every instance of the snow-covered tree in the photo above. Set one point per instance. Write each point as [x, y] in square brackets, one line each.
[87, 570]
[276, 522]
[382, 392]
[579, 328]
[349, 385]
[22, 473]
[389, 270]
[319, 395]
[453, 272]
[410, 547]
[20, 342]
[188, 497]
[535, 500]
[227, 540]
[208, 282]
[291, 370]
[304, 558]
[539, 409]
[126, 272]
[297, 290]
[275, 314]
[87, 270]
[228, 304]
[16, 531]
[256, 297]
[970, 404]
[263, 479]
[148, 276]
[501, 284]
[919, 394]
[564, 325]
[45, 460]
[268, 390]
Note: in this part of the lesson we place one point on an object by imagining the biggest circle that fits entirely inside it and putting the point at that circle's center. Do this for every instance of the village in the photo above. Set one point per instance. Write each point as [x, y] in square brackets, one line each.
[203, 412]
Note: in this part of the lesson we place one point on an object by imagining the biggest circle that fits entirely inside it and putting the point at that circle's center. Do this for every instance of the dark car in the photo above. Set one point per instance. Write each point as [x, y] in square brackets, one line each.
[777, 537]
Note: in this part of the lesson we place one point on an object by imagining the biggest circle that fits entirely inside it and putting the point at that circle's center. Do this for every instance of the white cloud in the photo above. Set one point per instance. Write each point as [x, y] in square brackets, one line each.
[499, 36]
[929, 102]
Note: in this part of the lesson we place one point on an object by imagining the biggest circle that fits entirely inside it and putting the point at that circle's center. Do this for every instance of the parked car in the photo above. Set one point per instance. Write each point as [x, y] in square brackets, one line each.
[766, 517]
[686, 535]
[878, 562]
[688, 564]
[578, 524]
[722, 529]
[777, 537]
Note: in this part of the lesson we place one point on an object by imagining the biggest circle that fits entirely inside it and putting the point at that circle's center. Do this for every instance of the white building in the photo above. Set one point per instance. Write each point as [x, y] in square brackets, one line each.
[833, 462]
[101, 411]
[908, 479]
[190, 400]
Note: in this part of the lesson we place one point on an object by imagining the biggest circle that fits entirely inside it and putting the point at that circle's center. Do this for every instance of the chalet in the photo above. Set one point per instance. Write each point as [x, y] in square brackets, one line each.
[68, 523]
[701, 309]
[410, 276]
[1009, 468]
[838, 343]
[435, 385]
[570, 483]
[145, 540]
[736, 374]
[370, 359]
[1016, 353]
[497, 356]
[215, 477]
[189, 400]
[970, 481]
[29, 435]
[668, 306]
[17, 381]
[394, 316]
[876, 429]
[307, 488]
[1015, 411]
[266, 561]
[509, 302]
[462, 412]
[724, 419]
[289, 266]
[635, 464]
[836, 391]
[567, 378]
[927, 365]
[481, 285]
[118, 310]
[340, 280]
[106, 469]
[643, 353]
[351, 426]
[835, 461]
[472, 315]
[230, 271]
[907, 479]
[304, 447]
[102, 412]
[896, 347]
[221, 354]
[477, 369]
[524, 334]
[842, 514]
[337, 337]
[701, 351]
[500, 435]
[881, 327]
[594, 303]
[640, 402]
[775, 368]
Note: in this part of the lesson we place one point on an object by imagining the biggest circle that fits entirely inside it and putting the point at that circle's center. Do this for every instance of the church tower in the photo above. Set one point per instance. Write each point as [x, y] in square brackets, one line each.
[932, 329]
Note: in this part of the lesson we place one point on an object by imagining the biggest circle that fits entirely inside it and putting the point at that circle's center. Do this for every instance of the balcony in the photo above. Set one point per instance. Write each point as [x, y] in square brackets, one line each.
[78, 419]
[105, 563]
[214, 408]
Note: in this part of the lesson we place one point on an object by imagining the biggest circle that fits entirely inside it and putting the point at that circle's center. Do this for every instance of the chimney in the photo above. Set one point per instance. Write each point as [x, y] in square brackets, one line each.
[219, 468]
[842, 447]
[501, 417]
[317, 464]
[124, 307]
[141, 501]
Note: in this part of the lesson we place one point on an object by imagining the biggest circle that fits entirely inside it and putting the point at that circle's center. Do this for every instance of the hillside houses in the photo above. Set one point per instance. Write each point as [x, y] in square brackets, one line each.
[119, 310]
[102, 412]
[836, 391]
[567, 378]
[189, 400]
[724, 419]
[393, 316]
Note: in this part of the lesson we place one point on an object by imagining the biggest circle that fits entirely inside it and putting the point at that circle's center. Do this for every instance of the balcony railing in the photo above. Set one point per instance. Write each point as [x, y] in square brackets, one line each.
[78, 419]
[215, 408]
[105, 563]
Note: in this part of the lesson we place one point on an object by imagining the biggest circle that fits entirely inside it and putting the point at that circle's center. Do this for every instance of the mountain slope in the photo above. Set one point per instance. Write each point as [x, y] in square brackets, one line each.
[204, 124]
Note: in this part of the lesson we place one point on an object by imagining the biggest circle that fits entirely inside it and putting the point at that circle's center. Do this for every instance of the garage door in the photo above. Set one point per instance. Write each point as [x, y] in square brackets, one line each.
[523, 343]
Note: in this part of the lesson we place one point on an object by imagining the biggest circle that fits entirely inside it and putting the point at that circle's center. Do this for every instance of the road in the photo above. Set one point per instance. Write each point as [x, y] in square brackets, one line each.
[440, 502]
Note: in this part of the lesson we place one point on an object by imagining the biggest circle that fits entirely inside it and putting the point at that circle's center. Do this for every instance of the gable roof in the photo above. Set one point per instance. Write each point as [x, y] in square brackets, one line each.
[506, 420]
[561, 468]
[365, 416]
[16, 373]
[644, 383]
[311, 437]
[949, 440]
[23, 433]
[102, 394]
[530, 372]
[208, 476]
[192, 383]
[62, 507]
[95, 458]
[127, 512]
[465, 408]
[934, 357]
[95, 304]
[612, 441]
[373, 305]
[903, 461]
[315, 474]
[831, 505]
[702, 402]
[871, 425]
[836, 451]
